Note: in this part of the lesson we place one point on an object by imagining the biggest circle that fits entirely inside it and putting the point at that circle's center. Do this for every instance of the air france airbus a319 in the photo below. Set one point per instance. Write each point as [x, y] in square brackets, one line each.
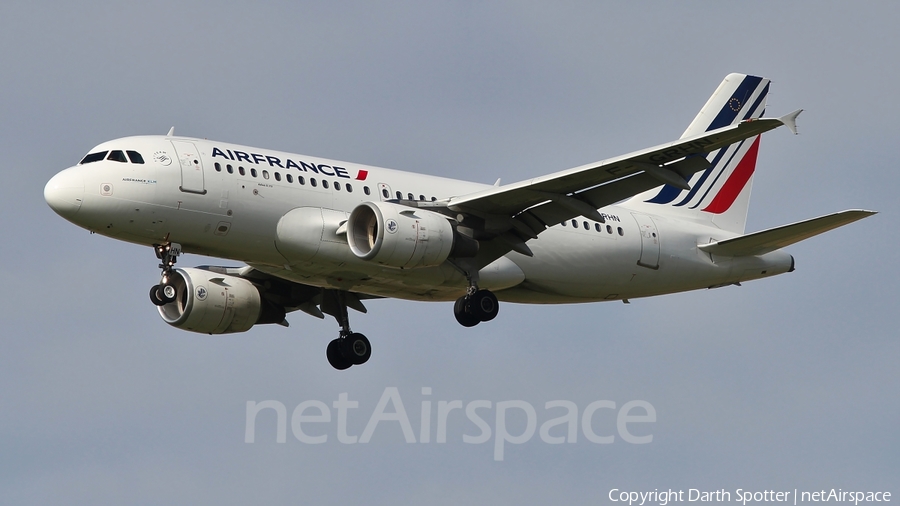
[322, 236]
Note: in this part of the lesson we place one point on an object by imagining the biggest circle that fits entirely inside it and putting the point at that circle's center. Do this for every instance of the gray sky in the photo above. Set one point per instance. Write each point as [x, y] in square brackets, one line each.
[784, 383]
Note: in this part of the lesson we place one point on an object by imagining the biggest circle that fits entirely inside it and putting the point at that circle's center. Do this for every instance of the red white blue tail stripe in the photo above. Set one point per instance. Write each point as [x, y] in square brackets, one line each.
[715, 190]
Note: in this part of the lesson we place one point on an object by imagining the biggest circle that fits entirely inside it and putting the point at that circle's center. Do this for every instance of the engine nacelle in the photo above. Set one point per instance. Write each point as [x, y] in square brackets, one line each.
[400, 236]
[214, 303]
[307, 234]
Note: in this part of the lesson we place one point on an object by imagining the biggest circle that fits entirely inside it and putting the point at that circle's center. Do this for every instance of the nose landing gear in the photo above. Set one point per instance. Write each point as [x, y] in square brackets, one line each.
[164, 293]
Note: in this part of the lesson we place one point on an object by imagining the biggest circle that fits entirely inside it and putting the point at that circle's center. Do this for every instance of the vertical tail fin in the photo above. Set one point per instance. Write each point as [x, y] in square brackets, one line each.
[719, 195]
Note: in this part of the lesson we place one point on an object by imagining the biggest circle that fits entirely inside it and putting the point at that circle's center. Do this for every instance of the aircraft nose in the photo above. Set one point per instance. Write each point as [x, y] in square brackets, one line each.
[64, 192]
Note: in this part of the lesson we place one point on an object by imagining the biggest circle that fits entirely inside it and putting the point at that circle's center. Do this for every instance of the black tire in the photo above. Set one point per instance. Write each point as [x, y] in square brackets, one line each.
[162, 293]
[484, 305]
[335, 357]
[464, 318]
[154, 296]
[356, 349]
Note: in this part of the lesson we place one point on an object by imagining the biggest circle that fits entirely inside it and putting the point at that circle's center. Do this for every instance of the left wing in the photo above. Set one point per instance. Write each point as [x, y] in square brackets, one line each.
[294, 296]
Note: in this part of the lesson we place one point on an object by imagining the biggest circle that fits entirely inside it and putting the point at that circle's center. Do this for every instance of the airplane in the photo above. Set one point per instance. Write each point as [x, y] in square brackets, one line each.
[322, 236]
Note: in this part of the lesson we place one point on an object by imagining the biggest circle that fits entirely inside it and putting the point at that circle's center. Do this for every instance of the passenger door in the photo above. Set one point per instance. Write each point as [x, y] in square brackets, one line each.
[649, 241]
[191, 167]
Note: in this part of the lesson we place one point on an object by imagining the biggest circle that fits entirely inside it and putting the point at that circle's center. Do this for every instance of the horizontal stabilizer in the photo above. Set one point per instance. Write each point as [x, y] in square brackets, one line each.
[760, 243]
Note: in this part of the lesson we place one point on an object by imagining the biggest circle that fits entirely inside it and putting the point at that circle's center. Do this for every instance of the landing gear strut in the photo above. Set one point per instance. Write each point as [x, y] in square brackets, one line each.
[164, 293]
[350, 348]
[475, 306]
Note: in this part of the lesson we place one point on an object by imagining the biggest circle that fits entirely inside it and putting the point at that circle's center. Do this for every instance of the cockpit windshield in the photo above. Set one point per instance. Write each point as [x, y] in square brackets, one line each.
[135, 157]
[115, 155]
[94, 157]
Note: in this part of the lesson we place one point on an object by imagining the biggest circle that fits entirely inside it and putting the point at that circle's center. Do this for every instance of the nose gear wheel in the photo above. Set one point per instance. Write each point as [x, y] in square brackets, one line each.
[164, 293]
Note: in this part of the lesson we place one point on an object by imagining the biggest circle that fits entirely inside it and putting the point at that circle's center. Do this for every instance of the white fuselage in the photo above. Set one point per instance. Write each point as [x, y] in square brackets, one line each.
[184, 192]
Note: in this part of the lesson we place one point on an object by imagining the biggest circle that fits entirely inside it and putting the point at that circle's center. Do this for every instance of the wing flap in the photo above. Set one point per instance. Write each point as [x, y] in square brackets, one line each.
[760, 243]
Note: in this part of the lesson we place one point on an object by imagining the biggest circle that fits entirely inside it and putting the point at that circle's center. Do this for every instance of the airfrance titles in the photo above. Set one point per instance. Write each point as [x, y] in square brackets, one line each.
[287, 163]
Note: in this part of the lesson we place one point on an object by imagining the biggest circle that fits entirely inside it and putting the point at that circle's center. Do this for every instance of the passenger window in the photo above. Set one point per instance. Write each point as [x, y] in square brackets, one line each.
[598, 227]
[385, 193]
[253, 172]
[609, 229]
[575, 223]
[265, 174]
[621, 232]
[94, 157]
[301, 179]
[325, 184]
[229, 168]
[410, 196]
[586, 226]
[290, 178]
[434, 199]
[422, 197]
[218, 167]
[349, 188]
[563, 223]
[312, 181]
[117, 156]
[277, 176]
[366, 190]
[399, 196]
[135, 157]
[241, 171]
[337, 186]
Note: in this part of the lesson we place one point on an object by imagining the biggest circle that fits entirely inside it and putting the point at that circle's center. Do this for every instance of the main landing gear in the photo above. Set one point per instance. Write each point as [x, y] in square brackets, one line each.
[164, 293]
[475, 307]
[350, 348]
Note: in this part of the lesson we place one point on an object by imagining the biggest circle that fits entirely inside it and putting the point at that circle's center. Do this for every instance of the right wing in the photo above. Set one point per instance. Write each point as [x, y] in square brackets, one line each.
[670, 163]
[506, 217]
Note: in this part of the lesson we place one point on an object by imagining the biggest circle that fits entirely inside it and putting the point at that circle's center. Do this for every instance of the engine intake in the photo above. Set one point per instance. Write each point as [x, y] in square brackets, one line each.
[403, 237]
[213, 303]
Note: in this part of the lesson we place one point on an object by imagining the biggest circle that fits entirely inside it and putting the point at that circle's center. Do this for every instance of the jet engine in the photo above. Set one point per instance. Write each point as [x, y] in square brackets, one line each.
[404, 237]
[213, 303]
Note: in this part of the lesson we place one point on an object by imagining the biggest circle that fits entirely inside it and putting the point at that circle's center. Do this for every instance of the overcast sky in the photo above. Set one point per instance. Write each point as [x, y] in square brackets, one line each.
[784, 383]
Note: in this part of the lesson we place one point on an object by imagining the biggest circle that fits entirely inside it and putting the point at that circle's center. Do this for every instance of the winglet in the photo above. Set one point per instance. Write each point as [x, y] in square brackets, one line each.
[171, 132]
[790, 120]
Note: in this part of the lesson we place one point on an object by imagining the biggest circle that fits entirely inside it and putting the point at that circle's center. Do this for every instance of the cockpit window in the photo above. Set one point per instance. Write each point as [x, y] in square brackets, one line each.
[135, 157]
[94, 157]
[117, 156]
